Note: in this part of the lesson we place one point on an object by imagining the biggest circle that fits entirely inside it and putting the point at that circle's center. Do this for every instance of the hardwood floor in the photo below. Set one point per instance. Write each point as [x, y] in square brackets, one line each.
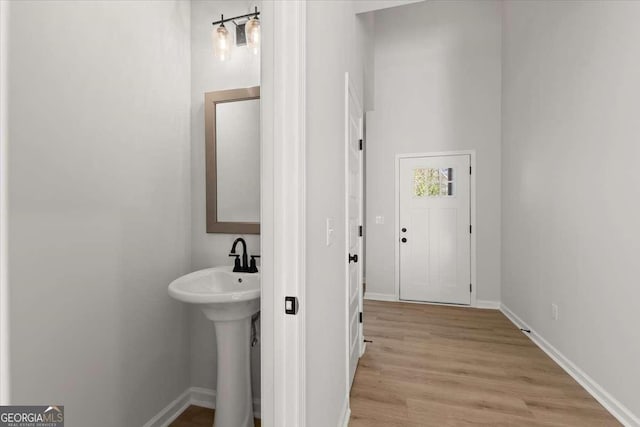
[451, 366]
[196, 416]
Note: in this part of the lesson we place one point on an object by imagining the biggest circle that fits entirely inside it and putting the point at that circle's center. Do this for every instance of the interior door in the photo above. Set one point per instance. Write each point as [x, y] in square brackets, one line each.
[435, 229]
[353, 257]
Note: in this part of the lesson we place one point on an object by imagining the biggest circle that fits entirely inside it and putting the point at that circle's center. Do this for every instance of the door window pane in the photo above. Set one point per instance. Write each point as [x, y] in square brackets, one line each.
[432, 182]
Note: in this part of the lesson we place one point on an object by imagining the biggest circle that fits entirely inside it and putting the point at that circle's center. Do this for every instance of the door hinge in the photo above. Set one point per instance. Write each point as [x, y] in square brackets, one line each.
[360, 144]
[469, 170]
[470, 229]
[360, 317]
[360, 231]
[470, 287]
[291, 305]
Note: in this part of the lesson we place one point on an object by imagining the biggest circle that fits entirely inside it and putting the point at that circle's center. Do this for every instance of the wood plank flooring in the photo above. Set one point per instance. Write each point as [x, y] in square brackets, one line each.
[449, 366]
[434, 365]
[196, 416]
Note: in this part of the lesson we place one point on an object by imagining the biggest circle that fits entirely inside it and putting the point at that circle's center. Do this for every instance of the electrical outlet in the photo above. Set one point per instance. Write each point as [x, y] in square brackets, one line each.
[554, 311]
[379, 219]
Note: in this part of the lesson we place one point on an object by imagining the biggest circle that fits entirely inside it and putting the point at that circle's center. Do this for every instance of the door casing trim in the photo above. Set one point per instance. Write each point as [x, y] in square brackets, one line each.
[5, 371]
[472, 204]
[283, 212]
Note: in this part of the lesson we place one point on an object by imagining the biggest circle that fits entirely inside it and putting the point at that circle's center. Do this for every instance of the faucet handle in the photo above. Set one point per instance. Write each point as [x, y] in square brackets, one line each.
[253, 268]
[236, 262]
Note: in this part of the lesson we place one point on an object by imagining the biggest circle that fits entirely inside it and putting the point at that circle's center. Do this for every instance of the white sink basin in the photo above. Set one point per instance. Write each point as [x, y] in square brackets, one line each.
[229, 299]
[221, 293]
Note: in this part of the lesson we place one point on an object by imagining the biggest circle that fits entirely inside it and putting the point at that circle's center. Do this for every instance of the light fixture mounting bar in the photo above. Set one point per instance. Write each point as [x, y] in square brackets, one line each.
[248, 15]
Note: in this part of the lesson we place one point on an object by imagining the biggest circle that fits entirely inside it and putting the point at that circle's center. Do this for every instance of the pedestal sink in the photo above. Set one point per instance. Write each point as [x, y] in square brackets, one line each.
[229, 299]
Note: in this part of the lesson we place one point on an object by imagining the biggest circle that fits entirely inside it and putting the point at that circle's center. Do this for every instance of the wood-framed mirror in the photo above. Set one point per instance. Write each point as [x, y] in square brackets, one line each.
[232, 152]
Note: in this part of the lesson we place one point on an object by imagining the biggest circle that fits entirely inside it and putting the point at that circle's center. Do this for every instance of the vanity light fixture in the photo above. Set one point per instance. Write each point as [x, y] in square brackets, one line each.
[222, 38]
[221, 41]
[252, 30]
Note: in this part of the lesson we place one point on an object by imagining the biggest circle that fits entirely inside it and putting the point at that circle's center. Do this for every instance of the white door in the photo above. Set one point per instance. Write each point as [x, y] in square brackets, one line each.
[353, 222]
[435, 229]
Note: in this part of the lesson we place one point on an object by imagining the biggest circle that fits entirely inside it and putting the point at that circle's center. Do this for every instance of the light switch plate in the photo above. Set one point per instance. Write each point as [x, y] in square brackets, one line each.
[379, 219]
[330, 230]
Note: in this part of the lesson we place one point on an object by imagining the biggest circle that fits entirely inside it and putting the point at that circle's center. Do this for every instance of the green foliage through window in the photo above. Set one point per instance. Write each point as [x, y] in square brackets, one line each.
[433, 182]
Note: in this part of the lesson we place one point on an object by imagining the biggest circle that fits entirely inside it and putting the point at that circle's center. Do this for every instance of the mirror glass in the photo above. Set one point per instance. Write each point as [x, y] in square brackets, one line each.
[238, 161]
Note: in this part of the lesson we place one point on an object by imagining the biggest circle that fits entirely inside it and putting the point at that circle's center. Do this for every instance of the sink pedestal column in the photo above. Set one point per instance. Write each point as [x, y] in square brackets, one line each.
[234, 406]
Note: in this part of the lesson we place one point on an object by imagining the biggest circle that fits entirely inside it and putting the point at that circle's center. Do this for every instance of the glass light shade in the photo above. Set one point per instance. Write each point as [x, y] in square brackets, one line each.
[252, 31]
[221, 42]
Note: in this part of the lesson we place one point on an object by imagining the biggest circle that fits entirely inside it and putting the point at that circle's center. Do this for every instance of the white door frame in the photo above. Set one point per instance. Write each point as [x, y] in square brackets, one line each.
[5, 376]
[472, 204]
[282, 240]
[349, 91]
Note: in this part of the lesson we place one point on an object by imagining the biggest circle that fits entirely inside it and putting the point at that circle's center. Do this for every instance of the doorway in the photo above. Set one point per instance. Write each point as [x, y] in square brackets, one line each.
[434, 228]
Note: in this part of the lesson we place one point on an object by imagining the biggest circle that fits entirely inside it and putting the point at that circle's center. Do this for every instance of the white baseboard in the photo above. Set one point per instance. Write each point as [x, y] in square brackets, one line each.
[486, 304]
[196, 396]
[167, 415]
[611, 404]
[203, 397]
[346, 414]
[380, 297]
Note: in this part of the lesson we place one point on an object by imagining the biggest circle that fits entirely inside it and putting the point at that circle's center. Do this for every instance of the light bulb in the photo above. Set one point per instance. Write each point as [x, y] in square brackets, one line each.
[252, 31]
[221, 42]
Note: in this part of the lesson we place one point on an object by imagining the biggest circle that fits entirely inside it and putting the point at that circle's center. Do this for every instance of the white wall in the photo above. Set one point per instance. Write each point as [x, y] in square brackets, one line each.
[99, 206]
[437, 88]
[330, 53]
[570, 182]
[207, 250]
[366, 49]
[362, 6]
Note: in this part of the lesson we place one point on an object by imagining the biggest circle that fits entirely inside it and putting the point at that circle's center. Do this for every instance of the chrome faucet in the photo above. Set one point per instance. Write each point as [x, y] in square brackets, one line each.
[244, 266]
